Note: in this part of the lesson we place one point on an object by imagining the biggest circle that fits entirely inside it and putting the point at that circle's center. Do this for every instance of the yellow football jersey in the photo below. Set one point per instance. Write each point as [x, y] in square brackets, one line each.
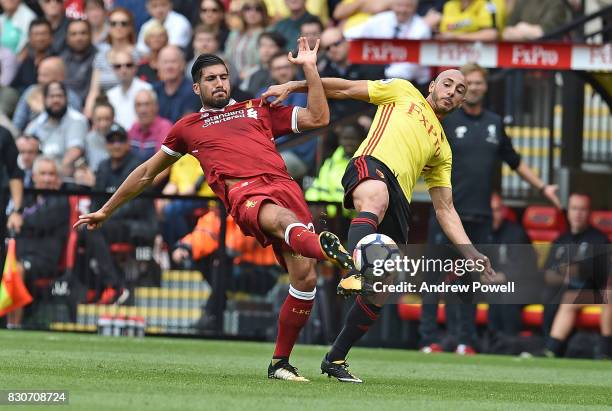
[479, 15]
[407, 136]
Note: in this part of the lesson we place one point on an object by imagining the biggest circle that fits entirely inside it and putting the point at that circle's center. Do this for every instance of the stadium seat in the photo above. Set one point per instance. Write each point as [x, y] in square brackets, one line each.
[602, 220]
[509, 214]
[543, 224]
[412, 312]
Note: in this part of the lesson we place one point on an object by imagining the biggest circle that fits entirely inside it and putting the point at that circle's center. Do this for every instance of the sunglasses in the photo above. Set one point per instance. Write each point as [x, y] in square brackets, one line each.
[336, 44]
[126, 65]
[54, 1]
[248, 7]
[122, 23]
[205, 10]
[116, 140]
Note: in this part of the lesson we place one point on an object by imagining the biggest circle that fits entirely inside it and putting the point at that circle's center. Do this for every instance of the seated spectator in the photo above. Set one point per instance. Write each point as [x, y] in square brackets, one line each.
[102, 120]
[212, 17]
[54, 12]
[241, 44]
[14, 25]
[401, 22]
[281, 9]
[472, 20]
[431, 11]
[156, 38]
[186, 178]
[31, 102]
[78, 57]
[122, 95]
[268, 44]
[44, 231]
[327, 186]
[531, 20]
[578, 262]
[311, 29]
[298, 159]
[177, 25]
[334, 63]
[174, 91]
[133, 223]
[121, 37]
[95, 10]
[289, 27]
[8, 66]
[29, 149]
[39, 47]
[60, 129]
[149, 130]
[354, 13]
[137, 8]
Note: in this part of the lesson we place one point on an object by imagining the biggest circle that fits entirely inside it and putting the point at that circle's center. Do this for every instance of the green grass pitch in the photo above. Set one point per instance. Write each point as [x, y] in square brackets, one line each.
[103, 373]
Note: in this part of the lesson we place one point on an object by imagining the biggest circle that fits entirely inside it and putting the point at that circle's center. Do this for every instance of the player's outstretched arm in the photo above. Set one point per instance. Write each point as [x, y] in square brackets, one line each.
[138, 180]
[442, 199]
[336, 88]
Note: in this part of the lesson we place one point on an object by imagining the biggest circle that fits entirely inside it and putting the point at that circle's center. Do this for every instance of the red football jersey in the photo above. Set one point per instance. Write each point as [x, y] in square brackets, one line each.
[234, 142]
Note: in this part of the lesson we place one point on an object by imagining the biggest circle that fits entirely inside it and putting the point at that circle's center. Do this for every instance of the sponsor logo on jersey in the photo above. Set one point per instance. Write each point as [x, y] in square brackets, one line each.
[250, 204]
[380, 174]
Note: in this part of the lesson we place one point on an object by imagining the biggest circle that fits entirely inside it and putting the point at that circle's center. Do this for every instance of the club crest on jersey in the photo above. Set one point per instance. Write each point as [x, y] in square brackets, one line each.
[460, 131]
[492, 134]
[252, 113]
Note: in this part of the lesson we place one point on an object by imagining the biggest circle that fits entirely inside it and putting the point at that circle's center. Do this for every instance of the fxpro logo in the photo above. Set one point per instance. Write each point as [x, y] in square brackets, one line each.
[534, 56]
[383, 51]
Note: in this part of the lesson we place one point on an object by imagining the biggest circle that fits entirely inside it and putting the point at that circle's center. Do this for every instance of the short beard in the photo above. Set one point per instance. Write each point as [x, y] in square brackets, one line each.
[216, 103]
[56, 114]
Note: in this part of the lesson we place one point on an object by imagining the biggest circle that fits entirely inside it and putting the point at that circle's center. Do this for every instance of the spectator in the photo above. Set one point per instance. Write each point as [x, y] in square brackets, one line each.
[212, 17]
[353, 13]
[55, 13]
[44, 231]
[470, 20]
[9, 171]
[31, 102]
[14, 24]
[312, 29]
[335, 64]
[60, 129]
[174, 90]
[241, 45]
[577, 263]
[102, 120]
[401, 22]
[532, 20]
[327, 186]
[122, 95]
[431, 11]
[137, 8]
[149, 130]
[78, 57]
[177, 26]
[280, 9]
[121, 37]
[474, 134]
[8, 99]
[156, 38]
[289, 27]
[269, 44]
[298, 159]
[28, 148]
[39, 47]
[8, 66]
[133, 223]
[95, 10]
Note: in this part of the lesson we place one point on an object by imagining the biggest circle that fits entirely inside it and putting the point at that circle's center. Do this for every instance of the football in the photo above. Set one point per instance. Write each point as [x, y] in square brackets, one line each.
[371, 252]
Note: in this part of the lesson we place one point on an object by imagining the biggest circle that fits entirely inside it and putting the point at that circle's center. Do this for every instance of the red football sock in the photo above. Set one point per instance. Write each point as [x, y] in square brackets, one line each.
[293, 316]
[305, 242]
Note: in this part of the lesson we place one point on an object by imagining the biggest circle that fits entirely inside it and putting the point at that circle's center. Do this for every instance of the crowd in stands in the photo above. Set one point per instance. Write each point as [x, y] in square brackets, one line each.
[89, 89]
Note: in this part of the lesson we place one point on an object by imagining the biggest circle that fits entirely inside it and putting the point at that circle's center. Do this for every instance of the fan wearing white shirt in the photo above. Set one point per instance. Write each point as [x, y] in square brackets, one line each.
[123, 96]
[177, 25]
[401, 22]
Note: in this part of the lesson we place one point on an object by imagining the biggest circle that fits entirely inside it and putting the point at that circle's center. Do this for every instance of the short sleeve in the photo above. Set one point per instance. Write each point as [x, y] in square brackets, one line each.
[439, 173]
[284, 120]
[507, 151]
[77, 130]
[174, 144]
[387, 91]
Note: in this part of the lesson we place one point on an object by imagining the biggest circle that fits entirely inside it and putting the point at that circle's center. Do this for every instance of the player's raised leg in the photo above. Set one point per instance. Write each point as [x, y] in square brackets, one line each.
[294, 315]
[283, 223]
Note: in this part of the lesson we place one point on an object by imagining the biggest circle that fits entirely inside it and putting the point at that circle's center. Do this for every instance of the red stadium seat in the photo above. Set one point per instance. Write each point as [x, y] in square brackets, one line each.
[602, 220]
[509, 214]
[412, 312]
[543, 223]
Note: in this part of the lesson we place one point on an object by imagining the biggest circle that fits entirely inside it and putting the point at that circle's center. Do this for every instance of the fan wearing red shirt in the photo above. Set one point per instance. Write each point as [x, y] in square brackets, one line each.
[234, 143]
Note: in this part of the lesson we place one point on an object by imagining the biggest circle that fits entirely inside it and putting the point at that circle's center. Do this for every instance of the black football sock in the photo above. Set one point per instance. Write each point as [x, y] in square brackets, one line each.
[556, 346]
[606, 345]
[365, 223]
[359, 319]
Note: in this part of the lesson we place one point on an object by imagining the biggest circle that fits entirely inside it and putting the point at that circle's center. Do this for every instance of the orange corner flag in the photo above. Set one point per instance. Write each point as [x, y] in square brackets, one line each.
[13, 292]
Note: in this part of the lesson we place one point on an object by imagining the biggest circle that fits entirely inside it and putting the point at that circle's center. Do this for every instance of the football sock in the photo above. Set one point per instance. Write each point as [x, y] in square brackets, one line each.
[556, 346]
[359, 319]
[303, 241]
[293, 316]
[606, 345]
[365, 223]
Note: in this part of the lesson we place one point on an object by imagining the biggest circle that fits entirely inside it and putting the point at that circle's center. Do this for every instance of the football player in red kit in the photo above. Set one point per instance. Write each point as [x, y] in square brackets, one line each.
[234, 143]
